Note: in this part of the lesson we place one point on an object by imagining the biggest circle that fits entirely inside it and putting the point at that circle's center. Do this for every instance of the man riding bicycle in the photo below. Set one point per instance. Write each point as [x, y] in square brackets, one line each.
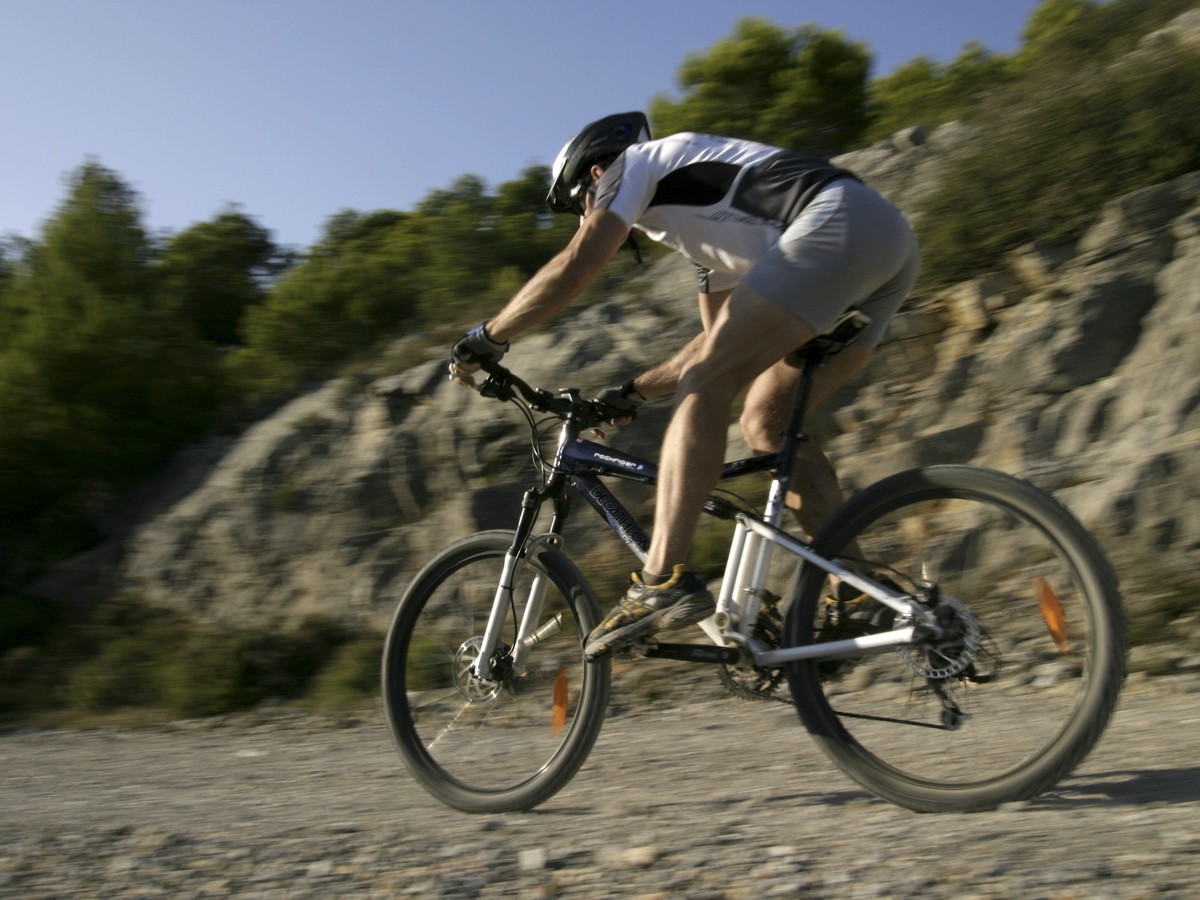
[783, 244]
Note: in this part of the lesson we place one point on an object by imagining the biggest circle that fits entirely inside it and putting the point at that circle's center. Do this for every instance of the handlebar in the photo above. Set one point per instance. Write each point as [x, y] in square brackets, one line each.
[503, 385]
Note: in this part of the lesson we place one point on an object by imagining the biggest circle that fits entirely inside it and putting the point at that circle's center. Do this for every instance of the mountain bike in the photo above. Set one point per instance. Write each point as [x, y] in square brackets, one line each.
[979, 665]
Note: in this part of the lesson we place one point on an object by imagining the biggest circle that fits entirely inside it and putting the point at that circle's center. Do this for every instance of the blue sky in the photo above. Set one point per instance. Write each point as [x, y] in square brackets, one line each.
[296, 109]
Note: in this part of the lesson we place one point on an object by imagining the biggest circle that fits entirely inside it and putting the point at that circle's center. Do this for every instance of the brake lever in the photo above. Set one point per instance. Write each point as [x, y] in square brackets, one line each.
[498, 386]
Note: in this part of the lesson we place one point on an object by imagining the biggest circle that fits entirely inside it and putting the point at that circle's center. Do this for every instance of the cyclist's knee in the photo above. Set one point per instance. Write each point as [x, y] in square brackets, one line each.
[760, 433]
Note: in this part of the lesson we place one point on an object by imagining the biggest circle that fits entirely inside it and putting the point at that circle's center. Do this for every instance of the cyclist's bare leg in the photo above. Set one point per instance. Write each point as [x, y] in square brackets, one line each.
[815, 492]
[748, 334]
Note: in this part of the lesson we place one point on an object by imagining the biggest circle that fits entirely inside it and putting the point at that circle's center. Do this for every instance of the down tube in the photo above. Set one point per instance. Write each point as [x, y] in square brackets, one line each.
[619, 519]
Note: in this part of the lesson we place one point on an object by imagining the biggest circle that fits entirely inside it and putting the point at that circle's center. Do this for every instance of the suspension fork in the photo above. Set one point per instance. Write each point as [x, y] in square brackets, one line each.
[530, 632]
[523, 545]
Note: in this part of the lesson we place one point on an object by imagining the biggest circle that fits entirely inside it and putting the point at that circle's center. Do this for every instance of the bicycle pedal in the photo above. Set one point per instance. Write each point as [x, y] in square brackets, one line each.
[638, 649]
[643, 647]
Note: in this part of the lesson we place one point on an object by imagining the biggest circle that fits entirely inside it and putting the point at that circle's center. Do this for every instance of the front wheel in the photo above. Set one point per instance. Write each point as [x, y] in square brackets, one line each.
[1022, 684]
[513, 739]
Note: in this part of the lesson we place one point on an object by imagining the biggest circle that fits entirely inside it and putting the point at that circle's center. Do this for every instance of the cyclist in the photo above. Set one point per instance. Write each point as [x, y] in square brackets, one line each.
[783, 245]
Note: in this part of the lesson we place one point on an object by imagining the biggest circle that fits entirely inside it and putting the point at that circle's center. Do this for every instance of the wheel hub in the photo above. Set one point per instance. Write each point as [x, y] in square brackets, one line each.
[470, 686]
[954, 650]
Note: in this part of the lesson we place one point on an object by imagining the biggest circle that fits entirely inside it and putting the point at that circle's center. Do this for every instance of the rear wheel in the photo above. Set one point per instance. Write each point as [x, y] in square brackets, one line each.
[1022, 684]
[512, 740]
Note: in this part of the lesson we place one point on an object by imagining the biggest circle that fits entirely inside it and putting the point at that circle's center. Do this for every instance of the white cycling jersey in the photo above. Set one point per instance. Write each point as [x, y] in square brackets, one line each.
[721, 202]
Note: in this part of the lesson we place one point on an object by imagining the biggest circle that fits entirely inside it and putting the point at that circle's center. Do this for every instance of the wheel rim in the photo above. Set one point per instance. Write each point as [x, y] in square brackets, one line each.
[1014, 699]
[490, 736]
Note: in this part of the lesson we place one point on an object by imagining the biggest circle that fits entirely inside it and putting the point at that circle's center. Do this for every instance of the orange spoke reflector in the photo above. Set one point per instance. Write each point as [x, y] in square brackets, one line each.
[1052, 612]
[558, 716]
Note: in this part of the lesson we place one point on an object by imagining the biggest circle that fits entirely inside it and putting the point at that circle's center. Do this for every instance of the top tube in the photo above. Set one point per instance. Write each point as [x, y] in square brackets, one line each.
[601, 459]
[604, 460]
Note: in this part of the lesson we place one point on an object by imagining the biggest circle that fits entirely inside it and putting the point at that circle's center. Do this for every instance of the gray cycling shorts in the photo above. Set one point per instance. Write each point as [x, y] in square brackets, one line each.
[849, 247]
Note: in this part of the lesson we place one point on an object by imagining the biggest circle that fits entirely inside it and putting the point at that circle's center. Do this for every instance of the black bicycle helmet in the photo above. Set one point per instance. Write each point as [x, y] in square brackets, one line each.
[606, 138]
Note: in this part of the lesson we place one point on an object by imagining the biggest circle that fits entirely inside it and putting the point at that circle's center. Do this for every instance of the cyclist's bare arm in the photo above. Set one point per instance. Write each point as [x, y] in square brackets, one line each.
[562, 279]
[662, 380]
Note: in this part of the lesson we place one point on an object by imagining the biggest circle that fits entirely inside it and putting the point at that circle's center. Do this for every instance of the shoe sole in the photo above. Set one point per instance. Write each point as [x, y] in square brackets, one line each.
[627, 635]
[687, 613]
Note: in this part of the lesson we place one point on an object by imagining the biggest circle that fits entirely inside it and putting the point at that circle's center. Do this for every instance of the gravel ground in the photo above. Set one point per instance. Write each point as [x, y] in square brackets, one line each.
[694, 796]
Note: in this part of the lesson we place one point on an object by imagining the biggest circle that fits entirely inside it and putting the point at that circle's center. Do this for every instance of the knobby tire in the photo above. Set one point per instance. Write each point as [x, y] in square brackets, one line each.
[478, 747]
[1053, 639]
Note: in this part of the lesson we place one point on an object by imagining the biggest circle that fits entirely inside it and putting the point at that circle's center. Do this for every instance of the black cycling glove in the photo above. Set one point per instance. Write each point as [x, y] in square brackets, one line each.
[475, 347]
[621, 402]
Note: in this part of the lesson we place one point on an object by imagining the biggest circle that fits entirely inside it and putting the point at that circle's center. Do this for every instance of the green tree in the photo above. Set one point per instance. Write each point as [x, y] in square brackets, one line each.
[213, 271]
[98, 382]
[462, 247]
[7, 262]
[9, 259]
[1043, 167]
[922, 92]
[803, 88]
[1049, 21]
[1063, 37]
[527, 233]
[356, 286]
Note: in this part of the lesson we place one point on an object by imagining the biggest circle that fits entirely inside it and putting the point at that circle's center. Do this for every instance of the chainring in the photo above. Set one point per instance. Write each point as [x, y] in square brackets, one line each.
[758, 682]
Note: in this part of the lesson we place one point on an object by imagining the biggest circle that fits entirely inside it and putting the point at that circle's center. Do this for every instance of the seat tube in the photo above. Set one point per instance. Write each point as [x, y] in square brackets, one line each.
[745, 584]
[733, 569]
[756, 561]
[792, 435]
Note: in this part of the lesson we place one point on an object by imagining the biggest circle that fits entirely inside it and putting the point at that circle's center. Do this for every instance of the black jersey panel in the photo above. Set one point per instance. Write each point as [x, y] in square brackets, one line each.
[780, 187]
[697, 184]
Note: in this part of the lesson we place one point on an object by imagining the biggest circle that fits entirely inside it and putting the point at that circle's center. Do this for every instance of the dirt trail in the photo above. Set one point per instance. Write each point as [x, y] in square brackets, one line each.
[708, 799]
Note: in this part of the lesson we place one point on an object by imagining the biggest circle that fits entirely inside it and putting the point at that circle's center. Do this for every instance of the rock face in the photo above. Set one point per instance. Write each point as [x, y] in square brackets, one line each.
[1078, 370]
[331, 505]
[1076, 367]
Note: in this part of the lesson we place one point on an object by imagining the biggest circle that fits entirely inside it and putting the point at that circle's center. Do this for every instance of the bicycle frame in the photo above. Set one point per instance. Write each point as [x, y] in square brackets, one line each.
[581, 464]
[749, 557]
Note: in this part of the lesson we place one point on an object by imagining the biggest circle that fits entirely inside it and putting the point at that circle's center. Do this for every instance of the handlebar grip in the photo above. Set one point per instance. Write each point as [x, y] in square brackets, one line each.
[501, 384]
